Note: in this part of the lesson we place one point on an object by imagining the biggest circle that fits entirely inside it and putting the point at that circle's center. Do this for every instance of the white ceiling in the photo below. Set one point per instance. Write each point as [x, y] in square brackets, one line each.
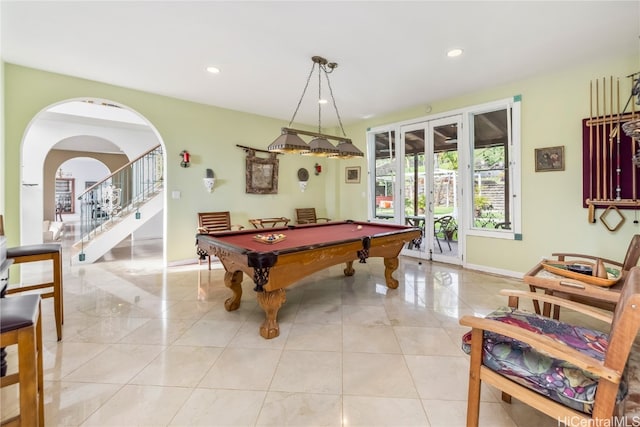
[391, 54]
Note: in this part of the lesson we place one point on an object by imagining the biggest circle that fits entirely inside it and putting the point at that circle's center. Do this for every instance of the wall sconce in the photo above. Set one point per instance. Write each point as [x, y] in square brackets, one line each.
[318, 169]
[209, 180]
[186, 157]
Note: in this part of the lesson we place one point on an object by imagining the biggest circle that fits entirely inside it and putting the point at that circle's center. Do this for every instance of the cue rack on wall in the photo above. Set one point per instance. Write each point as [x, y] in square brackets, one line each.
[609, 150]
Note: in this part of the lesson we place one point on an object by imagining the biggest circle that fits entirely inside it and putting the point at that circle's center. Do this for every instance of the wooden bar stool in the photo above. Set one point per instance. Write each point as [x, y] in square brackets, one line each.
[43, 252]
[20, 325]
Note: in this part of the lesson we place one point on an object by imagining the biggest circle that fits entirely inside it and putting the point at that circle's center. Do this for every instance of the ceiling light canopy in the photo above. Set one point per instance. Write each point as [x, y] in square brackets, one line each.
[319, 146]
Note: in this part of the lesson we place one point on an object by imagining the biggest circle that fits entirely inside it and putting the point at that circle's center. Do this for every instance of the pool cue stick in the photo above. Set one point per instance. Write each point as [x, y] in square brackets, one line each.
[604, 139]
[592, 207]
[597, 176]
[633, 149]
[618, 187]
[611, 136]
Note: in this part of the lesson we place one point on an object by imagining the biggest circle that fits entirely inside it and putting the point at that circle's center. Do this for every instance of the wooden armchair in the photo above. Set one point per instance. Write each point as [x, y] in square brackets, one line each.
[210, 222]
[630, 258]
[308, 216]
[586, 366]
[590, 294]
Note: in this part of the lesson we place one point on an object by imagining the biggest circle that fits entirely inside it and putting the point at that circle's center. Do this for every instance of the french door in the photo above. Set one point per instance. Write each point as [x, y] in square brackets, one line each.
[444, 214]
[416, 182]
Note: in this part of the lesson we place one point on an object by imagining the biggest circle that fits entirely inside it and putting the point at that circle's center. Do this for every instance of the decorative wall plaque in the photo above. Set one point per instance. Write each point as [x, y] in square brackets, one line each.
[262, 174]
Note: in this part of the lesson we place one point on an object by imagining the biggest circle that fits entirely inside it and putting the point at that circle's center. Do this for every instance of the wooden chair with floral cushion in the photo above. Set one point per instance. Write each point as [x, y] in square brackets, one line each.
[568, 372]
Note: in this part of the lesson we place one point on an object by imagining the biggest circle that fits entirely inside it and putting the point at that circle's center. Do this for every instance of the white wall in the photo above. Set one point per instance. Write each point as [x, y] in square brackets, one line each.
[83, 169]
[152, 229]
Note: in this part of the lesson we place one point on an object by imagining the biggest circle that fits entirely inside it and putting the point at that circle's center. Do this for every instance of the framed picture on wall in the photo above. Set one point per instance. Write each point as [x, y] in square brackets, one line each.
[262, 174]
[550, 159]
[352, 174]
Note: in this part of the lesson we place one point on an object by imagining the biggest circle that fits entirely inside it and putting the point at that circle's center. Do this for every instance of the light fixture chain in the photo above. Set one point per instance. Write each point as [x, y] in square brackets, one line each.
[320, 70]
[335, 106]
[289, 140]
[303, 93]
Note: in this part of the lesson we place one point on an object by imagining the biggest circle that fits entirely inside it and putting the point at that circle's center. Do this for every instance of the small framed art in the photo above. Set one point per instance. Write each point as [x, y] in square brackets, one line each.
[352, 174]
[550, 159]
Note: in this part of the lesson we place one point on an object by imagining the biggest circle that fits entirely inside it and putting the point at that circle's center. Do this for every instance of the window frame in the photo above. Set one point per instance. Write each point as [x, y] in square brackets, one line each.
[515, 167]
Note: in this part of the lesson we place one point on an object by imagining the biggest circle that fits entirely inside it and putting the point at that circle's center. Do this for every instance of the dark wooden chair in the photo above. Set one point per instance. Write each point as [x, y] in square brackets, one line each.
[21, 326]
[584, 353]
[210, 222]
[53, 289]
[308, 216]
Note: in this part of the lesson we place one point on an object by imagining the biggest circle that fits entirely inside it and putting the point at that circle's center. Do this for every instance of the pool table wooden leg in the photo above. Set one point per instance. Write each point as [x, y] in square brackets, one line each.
[271, 303]
[391, 265]
[348, 270]
[233, 281]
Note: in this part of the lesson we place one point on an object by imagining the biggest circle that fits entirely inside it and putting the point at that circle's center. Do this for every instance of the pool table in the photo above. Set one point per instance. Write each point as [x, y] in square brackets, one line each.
[301, 251]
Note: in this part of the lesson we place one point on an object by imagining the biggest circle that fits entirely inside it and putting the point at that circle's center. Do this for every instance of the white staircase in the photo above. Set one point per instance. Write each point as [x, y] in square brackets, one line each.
[118, 205]
[116, 229]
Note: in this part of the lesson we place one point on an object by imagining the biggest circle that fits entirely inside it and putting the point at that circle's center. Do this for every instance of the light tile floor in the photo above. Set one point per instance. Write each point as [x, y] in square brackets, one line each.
[147, 346]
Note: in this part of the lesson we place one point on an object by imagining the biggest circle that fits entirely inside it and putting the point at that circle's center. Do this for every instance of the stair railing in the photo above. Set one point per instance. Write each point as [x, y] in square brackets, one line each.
[120, 194]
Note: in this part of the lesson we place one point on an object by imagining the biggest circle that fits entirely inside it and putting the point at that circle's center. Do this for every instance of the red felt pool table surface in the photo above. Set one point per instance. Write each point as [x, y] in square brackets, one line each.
[307, 236]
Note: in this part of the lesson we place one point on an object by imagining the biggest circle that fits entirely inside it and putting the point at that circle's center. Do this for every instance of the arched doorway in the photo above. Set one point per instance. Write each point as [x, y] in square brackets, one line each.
[78, 128]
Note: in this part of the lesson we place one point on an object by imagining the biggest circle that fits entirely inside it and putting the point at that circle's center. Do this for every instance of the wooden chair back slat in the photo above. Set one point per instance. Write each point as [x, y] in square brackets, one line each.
[214, 221]
[306, 216]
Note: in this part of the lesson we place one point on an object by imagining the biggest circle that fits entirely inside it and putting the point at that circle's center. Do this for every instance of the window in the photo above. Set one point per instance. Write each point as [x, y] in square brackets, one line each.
[494, 144]
[385, 174]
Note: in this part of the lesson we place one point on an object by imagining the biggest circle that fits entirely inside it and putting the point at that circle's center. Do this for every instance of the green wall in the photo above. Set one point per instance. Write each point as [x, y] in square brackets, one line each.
[553, 106]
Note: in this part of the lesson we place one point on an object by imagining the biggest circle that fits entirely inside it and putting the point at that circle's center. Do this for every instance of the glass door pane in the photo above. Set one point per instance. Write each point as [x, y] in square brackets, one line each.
[491, 190]
[414, 184]
[385, 176]
[444, 190]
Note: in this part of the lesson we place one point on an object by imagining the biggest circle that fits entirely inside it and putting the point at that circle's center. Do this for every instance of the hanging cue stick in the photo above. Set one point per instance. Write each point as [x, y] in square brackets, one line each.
[633, 148]
[597, 176]
[604, 139]
[618, 188]
[592, 207]
[611, 136]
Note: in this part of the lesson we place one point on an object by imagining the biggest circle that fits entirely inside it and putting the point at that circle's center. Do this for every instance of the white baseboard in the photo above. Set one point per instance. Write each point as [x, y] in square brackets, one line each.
[497, 271]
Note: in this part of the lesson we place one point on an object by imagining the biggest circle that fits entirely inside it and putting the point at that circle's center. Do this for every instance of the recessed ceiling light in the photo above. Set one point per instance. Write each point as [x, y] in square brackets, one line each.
[454, 52]
[213, 70]
[322, 101]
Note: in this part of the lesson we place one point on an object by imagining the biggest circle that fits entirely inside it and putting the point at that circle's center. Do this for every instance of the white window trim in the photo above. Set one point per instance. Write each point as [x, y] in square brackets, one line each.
[515, 166]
